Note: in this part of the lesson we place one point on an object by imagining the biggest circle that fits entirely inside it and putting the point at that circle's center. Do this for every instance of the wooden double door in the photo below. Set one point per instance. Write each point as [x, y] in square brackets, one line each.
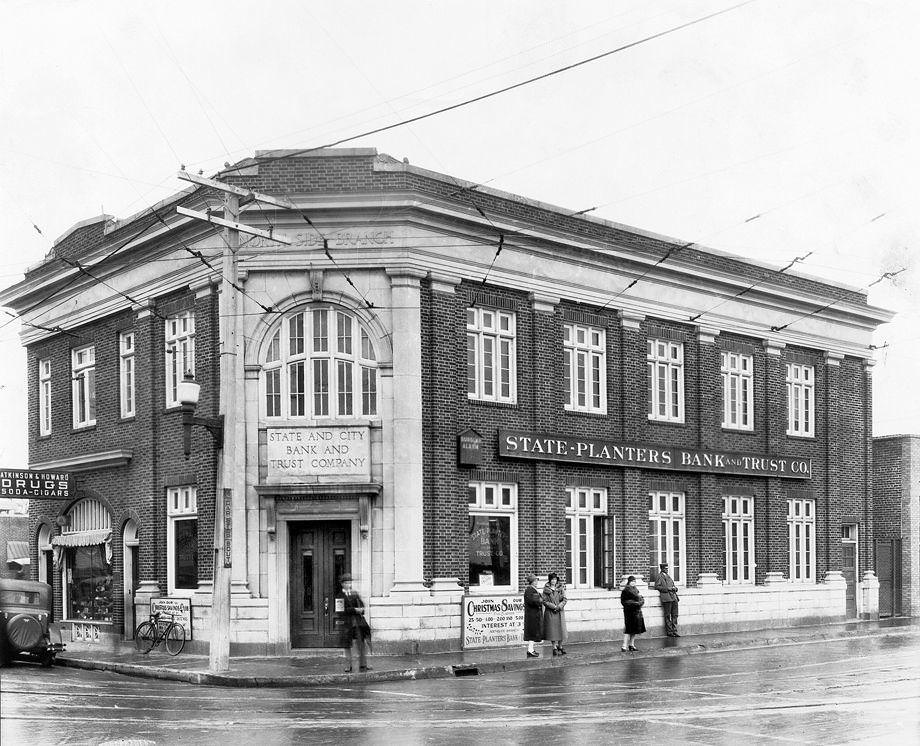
[320, 553]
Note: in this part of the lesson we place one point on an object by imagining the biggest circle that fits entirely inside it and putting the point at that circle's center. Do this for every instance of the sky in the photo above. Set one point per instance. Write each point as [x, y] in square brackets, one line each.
[775, 130]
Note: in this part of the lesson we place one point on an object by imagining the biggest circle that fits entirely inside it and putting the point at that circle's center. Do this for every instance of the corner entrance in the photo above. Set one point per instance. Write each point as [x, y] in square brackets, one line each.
[320, 553]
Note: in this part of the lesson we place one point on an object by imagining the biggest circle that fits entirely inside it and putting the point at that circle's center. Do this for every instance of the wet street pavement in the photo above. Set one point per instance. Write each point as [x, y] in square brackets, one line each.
[863, 690]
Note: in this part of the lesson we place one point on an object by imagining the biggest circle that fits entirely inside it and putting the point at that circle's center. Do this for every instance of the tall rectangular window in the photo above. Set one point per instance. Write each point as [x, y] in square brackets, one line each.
[490, 355]
[182, 538]
[800, 399]
[665, 380]
[589, 540]
[180, 353]
[83, 367]
[800, 519]
[737, 391]
[126, 372]
[666, 521]
[44, 396]
[584, 368]
[738, 538]
[492, 535]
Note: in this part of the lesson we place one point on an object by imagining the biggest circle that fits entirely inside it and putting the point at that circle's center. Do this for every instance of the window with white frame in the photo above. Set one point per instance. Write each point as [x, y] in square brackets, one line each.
[493, 535]
[800, 518]
[666, 522]
[584, 368]
[44, 396]
[738, 538]
[320, 362]
[800, 399]
[490, 355]
[126, 372]
[665, 380]
[588, 538]
[737, 391]
[83, 367]
[182, 538]
[180, 353]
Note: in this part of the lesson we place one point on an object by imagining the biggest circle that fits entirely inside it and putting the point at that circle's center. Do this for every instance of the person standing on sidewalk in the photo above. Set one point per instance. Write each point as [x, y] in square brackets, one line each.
[533, 615]
[357, 631]
[633, 621]
[554, 602]
[667, 593]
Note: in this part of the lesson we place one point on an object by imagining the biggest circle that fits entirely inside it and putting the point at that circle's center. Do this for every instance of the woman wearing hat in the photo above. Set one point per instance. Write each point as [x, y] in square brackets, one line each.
[356, 628]
[533, 615]
[554, 602]
[634, 622]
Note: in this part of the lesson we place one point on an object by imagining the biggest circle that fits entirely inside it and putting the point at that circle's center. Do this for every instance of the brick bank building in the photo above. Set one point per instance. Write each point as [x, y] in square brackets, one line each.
[440, 388]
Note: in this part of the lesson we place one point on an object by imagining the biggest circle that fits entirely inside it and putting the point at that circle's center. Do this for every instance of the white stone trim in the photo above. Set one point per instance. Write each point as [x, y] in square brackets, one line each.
[631, 320]
[87, 461]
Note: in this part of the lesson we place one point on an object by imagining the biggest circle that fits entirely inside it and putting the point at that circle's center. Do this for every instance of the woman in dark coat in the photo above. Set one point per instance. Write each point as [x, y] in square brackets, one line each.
[632, 613]
[554, 602]
[533, 615]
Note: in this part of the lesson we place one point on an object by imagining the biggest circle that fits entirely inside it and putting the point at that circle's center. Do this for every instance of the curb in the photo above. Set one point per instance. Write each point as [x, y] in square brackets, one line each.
[206, 678]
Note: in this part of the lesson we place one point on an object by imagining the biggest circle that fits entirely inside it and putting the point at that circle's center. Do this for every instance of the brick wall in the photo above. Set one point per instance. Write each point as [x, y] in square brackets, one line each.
[154, 435]
[837, 451]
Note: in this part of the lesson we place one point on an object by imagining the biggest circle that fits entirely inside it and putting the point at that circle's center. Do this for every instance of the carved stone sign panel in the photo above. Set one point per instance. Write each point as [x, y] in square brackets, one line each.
[294, 454]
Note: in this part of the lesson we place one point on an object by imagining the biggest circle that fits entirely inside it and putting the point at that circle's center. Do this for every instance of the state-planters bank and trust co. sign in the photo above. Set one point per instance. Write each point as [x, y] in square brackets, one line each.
[549, 447]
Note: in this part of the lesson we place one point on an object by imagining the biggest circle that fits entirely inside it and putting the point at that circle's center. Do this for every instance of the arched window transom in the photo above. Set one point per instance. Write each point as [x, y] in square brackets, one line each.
[319, 363]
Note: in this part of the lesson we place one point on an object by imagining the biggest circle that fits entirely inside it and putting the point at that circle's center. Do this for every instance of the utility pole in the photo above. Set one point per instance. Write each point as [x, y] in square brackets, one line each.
[229, 489]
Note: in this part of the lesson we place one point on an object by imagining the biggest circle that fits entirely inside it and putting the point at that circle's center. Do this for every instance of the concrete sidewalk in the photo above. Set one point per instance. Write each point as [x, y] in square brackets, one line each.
[319, 668]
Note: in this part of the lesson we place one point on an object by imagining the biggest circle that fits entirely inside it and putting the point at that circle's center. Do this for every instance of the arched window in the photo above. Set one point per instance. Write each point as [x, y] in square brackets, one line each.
[319, 362]
[86, 546]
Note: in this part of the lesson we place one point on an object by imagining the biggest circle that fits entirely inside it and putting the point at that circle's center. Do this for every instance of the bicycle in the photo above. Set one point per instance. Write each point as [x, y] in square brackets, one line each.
[151, 633]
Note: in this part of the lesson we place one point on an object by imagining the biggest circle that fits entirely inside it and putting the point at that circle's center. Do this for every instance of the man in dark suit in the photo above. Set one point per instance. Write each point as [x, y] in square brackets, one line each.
[667, 593]
[356, 627]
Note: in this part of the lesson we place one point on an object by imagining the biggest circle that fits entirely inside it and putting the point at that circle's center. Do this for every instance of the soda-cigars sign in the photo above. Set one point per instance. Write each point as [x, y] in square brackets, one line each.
[544, 447]
[45, 485]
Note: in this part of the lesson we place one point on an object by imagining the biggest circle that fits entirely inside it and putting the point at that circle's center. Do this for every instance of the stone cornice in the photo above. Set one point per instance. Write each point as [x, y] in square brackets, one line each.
[86, 461]
[325, 489]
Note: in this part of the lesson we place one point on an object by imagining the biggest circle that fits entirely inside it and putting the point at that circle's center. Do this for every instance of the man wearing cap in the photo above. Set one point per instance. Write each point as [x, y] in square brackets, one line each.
[667, 593]
[356, 627]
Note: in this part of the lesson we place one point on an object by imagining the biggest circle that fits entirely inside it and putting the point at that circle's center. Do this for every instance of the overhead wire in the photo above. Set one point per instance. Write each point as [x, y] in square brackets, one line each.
[884, 276]
[76, 265]
[74, 278]
[505, 89]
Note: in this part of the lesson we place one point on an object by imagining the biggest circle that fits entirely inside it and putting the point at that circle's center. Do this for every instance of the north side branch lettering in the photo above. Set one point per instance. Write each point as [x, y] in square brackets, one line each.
[546, 447]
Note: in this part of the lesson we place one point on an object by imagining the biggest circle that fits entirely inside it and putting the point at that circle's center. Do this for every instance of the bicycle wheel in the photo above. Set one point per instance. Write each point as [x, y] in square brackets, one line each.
[145, 636]
[175, 639]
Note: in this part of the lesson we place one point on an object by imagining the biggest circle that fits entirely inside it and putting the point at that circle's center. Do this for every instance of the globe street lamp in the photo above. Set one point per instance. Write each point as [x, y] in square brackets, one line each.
[188, 392]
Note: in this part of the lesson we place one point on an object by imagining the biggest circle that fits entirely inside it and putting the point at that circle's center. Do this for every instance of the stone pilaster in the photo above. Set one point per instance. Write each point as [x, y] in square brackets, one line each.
[408, 504]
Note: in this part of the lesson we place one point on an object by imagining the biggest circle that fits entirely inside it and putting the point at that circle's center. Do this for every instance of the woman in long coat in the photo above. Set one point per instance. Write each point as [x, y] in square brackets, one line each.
[533, 615]
[632, 613]
[554, 602]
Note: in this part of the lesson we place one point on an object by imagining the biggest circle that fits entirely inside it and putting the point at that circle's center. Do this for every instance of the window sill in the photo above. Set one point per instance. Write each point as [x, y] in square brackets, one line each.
[129, 418]
[87, 621]
[82, 428]
[795, 436]
[489, 403]
[496, 590]
[46, 436]
[739, 430]
[672, 423]
[584, 412]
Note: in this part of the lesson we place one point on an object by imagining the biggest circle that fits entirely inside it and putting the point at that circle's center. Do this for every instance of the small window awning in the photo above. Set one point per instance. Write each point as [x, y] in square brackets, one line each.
[82, 538]
[18, 552]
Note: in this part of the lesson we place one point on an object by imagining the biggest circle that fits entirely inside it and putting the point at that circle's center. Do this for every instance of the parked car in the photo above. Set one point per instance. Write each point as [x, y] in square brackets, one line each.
[25, 628]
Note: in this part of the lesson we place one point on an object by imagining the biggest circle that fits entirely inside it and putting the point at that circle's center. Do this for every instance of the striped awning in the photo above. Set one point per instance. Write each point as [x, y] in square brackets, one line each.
[18, 552]
[82, 538]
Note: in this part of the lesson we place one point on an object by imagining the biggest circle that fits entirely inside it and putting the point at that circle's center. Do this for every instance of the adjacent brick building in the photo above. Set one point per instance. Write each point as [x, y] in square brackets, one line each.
[896, 509]
[441, 388]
